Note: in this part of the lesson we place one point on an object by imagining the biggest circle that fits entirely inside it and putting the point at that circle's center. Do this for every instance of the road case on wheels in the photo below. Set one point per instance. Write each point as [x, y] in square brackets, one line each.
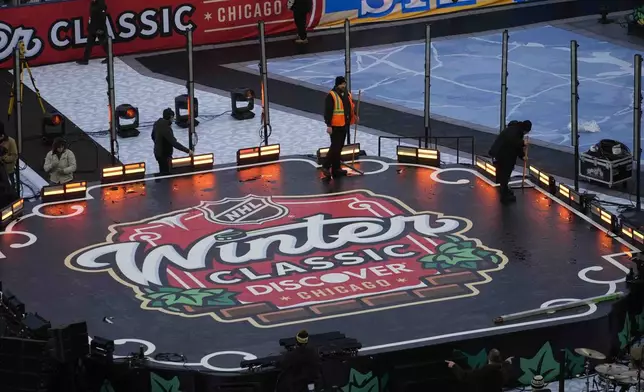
[605, 171]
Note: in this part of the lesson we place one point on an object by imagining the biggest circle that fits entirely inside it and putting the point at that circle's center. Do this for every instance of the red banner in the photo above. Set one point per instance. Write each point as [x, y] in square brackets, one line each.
[57, 32]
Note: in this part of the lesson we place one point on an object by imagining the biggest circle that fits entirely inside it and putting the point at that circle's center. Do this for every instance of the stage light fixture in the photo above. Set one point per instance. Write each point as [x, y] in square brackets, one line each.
[572, 197]
[349, 151]
[12, 211]
[253, 155]
[486, 168]
[543, 180]
[193, 163]
[69, 191]
[102, 350]
[130, 172]
[53, 126]
[632, 234]
[418, 156]
[182, 110]
[603, 217]
[242, 95]
[127, 121]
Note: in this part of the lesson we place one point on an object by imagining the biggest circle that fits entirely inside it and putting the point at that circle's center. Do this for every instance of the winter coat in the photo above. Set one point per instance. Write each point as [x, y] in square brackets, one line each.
[508, 146]
[61, 169]
[10, 158]
[164, 140]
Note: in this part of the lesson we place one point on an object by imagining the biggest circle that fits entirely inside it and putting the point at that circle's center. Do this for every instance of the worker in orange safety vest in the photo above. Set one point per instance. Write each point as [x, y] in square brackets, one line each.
[339, 114]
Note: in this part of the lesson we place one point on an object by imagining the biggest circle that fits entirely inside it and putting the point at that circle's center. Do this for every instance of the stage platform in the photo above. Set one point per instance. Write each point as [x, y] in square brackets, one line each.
[219, 265]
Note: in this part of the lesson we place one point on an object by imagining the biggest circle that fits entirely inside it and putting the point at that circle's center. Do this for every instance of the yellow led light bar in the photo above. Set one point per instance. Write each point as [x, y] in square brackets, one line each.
[7, 214]
[418, 156]
[69, 191]
[603, 217]
[253, 155]
[543, 180]
[127, 172]
[486, 167]
[633, 235]
[203, 159]
[348, 151]
[195, 162]
[12, 211]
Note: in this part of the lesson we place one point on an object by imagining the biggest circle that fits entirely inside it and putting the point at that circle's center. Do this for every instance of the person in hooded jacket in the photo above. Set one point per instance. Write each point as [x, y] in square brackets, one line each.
[165, 142]
[96, 29]
[507, 147]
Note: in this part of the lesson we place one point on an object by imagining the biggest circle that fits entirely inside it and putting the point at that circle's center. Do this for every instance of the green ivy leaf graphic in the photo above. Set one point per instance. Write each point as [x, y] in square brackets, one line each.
[359, 382]
[624, 335]
[475, 361]
[173, 298]
[106, 387]
[160, 384]
[543, 363]
[574, 364]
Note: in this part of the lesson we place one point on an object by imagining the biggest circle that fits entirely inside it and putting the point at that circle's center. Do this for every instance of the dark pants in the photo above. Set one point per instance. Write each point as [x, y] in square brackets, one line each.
[91, 41]
[164, 164]
[300, 22]
[333, 157]
[503, 174]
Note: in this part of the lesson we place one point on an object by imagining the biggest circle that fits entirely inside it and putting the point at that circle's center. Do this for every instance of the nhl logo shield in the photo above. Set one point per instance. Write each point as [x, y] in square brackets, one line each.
[243, 211]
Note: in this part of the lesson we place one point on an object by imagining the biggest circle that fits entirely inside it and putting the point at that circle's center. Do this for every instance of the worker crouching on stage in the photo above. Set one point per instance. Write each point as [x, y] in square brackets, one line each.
[339, 114]
[507, 147]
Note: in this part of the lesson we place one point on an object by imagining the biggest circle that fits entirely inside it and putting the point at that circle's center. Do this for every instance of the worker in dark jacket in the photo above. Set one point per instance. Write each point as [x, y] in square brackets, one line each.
[507, 147]
[339, 114]
[96, 29]
[491, 377]
[301, 9]
[300, 367]
[165, 142]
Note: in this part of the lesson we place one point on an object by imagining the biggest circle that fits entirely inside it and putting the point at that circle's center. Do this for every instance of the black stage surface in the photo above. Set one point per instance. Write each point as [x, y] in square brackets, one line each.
[227, 262]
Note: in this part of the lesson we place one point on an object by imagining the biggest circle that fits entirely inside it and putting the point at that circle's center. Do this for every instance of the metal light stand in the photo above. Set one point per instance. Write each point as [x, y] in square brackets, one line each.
[637, 128]
[263, 71]
[191, 92]
[574, 108]
[347, 61]
[18, 114]
[112, 99]
[428, 85]
[504, 80]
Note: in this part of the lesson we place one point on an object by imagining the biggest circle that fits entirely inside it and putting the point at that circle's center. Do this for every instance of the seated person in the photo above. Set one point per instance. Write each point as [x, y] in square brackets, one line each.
[60, 163]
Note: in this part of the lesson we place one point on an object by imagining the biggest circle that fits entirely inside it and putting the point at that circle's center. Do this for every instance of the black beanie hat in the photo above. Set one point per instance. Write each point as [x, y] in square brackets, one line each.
[526, 125]
[168, 113]
[339, 80]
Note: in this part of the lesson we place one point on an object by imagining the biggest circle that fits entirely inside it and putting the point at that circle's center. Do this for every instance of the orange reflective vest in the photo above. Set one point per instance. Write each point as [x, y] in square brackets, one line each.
[338, 119]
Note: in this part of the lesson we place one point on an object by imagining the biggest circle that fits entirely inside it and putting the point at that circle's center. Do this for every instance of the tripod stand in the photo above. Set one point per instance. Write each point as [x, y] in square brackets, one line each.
[23, 65]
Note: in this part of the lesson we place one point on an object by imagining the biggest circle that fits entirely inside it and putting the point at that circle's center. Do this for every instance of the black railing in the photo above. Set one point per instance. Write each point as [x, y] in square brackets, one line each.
[433, 141]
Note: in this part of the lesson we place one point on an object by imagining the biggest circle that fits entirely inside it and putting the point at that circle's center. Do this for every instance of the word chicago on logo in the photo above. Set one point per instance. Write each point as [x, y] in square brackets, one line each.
[280, 260]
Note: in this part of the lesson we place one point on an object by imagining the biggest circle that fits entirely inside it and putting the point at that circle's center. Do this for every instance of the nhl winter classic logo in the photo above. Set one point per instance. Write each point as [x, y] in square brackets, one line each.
[281, 260]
